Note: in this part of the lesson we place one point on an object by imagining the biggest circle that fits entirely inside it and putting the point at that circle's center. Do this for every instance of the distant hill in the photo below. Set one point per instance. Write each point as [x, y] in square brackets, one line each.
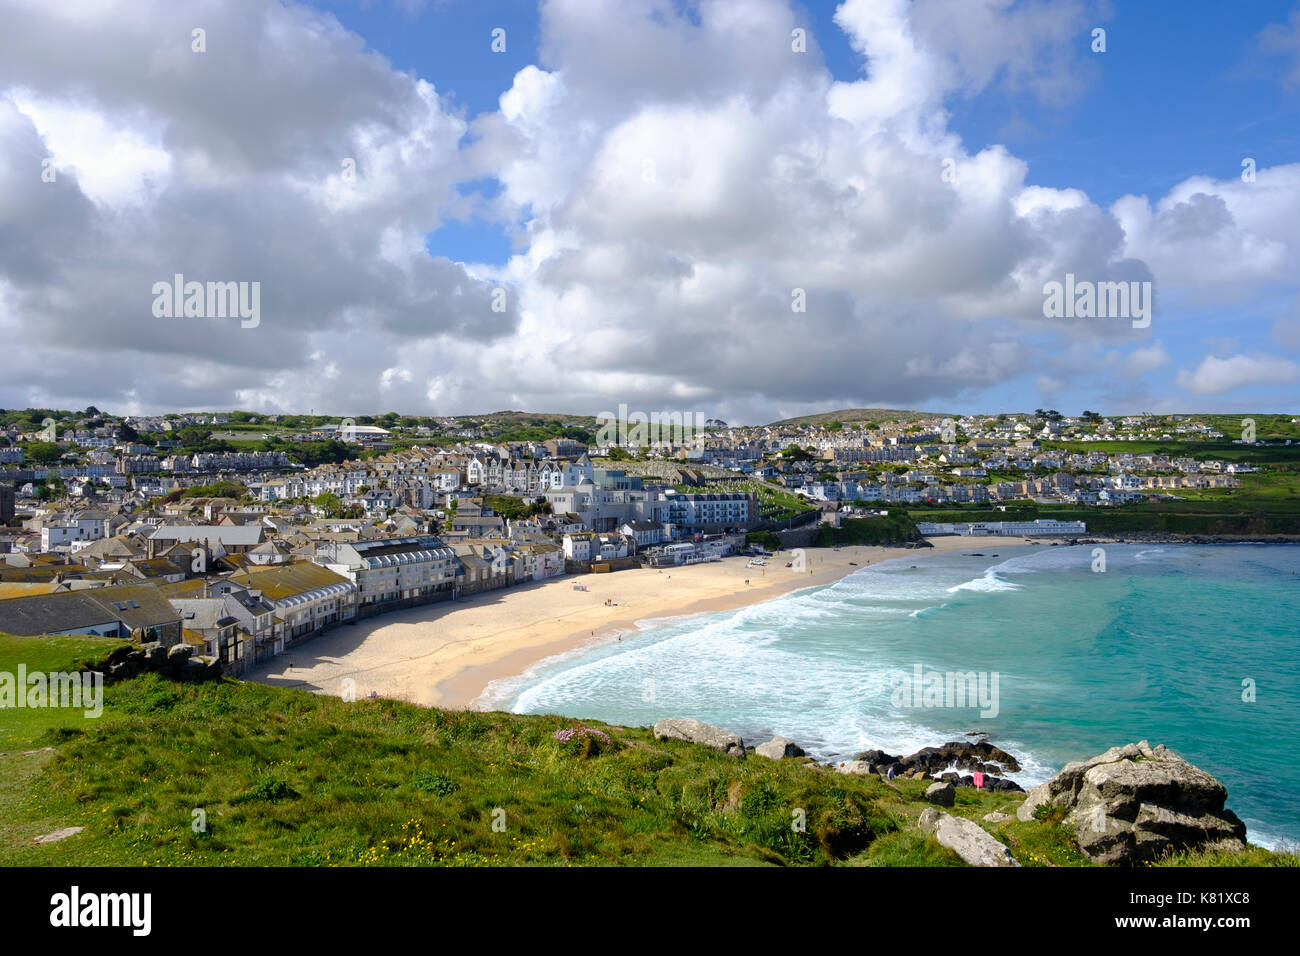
[530, 417]
[861, 415]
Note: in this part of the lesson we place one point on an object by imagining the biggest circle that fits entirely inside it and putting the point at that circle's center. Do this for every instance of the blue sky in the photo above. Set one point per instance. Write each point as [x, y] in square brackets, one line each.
[1184, 91]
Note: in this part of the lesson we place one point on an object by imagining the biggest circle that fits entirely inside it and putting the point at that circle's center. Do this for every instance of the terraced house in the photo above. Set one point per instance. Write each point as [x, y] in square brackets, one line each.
[136, 612]
[307, 599]
[393, 572]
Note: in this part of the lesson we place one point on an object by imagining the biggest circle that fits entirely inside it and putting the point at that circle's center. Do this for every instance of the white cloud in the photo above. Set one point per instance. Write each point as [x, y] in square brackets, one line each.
[1215, 376]
[1144, 360]
[672, 175]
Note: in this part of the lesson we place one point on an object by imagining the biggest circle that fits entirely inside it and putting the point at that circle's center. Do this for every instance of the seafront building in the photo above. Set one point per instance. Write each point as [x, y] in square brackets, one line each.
[393, 572]
[1039, 528]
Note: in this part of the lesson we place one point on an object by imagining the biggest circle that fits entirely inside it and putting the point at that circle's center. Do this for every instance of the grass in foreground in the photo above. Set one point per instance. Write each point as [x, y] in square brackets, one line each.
[284, 777]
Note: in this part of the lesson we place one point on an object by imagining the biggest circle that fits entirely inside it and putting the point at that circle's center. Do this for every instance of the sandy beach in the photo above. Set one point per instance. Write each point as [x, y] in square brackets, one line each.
[446, 654]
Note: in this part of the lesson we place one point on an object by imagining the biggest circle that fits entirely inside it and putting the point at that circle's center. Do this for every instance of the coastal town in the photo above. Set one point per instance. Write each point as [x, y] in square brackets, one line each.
[240, 536]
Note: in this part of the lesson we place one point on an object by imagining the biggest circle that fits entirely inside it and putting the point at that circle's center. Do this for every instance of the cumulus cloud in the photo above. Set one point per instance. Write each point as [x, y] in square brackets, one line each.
[1144, 360]
[703, 216]
[1215, 376]
[169, 161]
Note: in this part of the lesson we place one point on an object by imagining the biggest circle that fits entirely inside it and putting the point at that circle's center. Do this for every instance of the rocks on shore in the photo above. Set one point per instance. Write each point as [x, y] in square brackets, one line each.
[1134, 803]
[979, 757]
[779, 748]
[698, 732]
[966, 838]
[855, 766]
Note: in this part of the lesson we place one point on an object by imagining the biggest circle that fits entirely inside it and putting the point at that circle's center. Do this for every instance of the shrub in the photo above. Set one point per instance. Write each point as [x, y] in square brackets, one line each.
[270, 789]
[438, 783]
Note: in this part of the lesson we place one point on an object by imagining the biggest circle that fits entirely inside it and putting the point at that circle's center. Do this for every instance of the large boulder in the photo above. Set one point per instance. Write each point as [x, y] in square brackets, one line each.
[966, 838]
[854, 766]
[779, 748]
[193, 671]
[941, 794]
[155, 655]
[1134, 803]
[698, 732]
[178, 655]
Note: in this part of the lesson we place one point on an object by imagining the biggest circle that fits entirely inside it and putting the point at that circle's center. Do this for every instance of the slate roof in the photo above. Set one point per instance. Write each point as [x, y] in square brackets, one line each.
[135, 606]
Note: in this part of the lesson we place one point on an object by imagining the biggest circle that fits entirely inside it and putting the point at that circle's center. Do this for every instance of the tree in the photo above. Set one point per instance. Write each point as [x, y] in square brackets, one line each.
[218, 489]
[329, 503]
[313, 453]
[52, 487]
[44, 452]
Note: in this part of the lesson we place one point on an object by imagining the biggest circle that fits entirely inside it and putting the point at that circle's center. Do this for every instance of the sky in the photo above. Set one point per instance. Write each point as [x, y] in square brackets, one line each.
[749, 209]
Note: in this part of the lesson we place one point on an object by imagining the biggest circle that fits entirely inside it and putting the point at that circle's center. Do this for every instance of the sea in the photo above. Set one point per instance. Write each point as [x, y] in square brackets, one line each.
[1066, 651]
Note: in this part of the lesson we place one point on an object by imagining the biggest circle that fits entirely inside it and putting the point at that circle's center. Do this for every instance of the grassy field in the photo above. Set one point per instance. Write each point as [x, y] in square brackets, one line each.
[284, 777]
[1259, 507]
[23, 728]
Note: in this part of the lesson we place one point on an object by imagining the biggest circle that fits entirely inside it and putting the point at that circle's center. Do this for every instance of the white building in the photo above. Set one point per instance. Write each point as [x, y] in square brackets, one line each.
[417, 569]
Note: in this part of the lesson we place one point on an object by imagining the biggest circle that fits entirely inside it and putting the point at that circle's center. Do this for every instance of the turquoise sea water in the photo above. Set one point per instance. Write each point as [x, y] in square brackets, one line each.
[1157, 646]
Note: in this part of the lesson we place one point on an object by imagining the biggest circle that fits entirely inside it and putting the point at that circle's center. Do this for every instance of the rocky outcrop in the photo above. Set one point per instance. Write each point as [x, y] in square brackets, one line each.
[966, 838]
[179, 662]
[1134, 803]
[779, 748]
[698, 732]
[981, 757]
